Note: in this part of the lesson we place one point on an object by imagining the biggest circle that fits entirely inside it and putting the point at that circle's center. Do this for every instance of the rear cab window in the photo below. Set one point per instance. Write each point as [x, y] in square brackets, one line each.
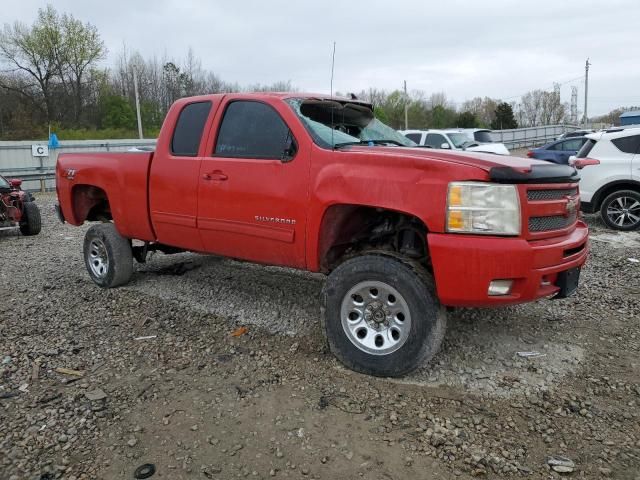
[416, 137]
[189, 127]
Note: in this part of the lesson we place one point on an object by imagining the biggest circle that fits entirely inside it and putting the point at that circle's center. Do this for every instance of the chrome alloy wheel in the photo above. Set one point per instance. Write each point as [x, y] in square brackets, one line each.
[98, 258]
[624, 211]
[375, 317]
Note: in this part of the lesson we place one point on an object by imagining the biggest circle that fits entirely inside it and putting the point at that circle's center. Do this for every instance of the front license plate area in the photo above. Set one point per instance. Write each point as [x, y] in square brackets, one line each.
[568, 282]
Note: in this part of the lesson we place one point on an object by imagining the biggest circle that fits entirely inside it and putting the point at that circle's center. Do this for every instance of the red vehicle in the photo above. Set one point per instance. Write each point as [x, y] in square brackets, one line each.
[318, 183]
[17, 210]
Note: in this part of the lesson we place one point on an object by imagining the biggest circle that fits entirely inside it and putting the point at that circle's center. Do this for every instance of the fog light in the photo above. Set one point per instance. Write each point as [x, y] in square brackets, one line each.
[500, 287]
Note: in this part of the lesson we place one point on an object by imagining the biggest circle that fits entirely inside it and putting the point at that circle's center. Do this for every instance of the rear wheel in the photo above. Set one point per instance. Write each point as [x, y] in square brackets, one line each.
[621, 210]
[381, 315]
[31, 223]
[107, 256]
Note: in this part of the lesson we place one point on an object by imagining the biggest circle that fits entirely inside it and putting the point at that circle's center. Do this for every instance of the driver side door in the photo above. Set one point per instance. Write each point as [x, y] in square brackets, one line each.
[253, 186]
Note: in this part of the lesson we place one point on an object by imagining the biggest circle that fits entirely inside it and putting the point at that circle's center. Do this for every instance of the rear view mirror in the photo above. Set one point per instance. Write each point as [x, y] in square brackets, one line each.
[445, 145]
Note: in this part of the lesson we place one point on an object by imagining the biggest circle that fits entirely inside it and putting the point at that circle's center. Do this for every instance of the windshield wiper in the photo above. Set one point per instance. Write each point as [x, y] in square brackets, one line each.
[368, 142]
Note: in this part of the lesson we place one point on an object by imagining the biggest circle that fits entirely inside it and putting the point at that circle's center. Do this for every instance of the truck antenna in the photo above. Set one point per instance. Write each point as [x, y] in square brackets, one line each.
[333, 61]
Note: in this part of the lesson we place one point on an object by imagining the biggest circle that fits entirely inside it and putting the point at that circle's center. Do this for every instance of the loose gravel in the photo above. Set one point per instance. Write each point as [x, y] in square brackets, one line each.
[95, 383]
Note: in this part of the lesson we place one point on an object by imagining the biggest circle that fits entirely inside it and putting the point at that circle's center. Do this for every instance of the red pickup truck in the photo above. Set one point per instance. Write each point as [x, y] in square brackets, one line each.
[318, 183]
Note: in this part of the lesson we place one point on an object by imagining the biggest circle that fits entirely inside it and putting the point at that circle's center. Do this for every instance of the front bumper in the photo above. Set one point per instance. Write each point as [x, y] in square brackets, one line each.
[464, 265]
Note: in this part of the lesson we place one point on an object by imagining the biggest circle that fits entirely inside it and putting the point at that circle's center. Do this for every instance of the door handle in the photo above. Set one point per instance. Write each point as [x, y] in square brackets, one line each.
[215, 175]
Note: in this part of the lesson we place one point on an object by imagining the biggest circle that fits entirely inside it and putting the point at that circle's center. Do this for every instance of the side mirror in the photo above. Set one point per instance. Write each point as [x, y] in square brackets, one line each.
[15, 182]
[445, 145]
[290, 148]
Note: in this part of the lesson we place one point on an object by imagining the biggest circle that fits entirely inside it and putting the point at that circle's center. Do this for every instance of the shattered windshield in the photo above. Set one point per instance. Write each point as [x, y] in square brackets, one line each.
[352, 123]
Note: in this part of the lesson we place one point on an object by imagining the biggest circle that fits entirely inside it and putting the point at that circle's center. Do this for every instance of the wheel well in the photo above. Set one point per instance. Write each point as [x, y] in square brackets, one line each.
[349, 229]
[90, 203]
[608, 189]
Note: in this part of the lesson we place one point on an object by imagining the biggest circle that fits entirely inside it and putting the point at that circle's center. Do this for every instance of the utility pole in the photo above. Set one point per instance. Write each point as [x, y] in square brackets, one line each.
[586, 90]
[135, 90]
[406, 107]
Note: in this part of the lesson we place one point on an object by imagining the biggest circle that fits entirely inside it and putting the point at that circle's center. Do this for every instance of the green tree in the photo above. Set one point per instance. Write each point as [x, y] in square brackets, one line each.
[82, 48]
[442, 117]
[504, 117]
[34, 53]
[117, 113]
[467, 120]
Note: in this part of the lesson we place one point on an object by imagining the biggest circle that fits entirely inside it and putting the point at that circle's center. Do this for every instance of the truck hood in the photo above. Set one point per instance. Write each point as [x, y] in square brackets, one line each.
[485, 161]
[501, 168]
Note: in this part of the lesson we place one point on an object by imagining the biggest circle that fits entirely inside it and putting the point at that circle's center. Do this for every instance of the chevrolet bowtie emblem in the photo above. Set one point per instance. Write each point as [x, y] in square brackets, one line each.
[571, 206]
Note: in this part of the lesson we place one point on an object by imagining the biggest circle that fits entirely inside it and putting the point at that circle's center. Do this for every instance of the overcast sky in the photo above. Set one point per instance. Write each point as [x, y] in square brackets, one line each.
[494, 48]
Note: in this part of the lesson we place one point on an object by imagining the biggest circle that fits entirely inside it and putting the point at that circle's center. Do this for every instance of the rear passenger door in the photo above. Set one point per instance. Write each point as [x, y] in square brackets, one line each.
[629, 148]
[175, 172]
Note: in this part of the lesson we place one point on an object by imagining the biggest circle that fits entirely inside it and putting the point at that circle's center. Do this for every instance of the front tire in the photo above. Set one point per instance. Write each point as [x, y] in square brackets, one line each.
[381, 315]
[621, 210]
[31, 223]
[107, 256]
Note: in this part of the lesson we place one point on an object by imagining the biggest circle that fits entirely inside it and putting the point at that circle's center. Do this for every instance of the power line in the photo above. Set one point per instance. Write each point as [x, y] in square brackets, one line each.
[558, 83]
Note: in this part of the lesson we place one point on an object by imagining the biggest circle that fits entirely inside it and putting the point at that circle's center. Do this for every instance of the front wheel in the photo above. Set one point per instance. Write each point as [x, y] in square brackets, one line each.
[107, 256]
[381, 315]
[621, 210]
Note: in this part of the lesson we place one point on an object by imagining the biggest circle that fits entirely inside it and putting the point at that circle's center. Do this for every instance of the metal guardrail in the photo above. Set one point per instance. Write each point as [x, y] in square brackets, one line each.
[38, 176]
[531, 136]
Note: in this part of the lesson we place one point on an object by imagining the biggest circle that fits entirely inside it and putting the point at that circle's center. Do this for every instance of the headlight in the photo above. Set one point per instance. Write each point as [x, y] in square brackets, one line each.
[485, 208]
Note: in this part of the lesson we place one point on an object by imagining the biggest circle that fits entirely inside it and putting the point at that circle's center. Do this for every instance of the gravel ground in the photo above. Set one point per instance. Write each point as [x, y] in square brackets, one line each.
[198, 402]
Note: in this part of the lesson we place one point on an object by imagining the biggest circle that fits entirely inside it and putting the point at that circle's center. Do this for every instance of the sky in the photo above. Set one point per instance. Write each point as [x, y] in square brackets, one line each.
[495, 48]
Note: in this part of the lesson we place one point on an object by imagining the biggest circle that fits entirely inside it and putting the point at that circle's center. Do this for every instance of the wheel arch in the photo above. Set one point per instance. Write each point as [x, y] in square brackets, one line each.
[346, 226]
[90, 203]
[606, 190]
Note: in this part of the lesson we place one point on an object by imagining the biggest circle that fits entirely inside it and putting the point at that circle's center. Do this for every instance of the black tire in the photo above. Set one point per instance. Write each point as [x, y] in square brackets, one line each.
[612, 210]
[414, 284]
[103, 242]
[31, 223]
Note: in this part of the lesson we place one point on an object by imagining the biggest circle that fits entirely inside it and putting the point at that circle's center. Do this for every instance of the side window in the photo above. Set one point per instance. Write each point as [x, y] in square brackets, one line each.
[189, 128]
[574, 144]
[253, 130]
[627, 144]
[414, 137]
[435, 140]
[586, 148]
[482, 136]
[556, 146]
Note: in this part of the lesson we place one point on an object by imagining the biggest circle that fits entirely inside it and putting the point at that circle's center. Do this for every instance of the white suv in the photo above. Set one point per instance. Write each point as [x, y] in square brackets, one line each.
[611, 181]
[456, 139]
